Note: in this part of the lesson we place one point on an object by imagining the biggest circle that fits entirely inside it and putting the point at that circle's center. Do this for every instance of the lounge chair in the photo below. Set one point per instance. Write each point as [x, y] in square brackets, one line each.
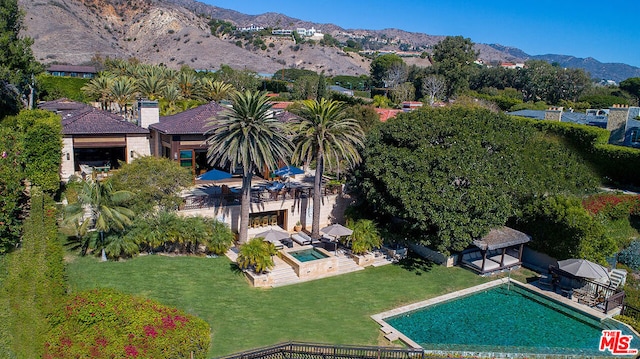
[276, 243]
[298, 237]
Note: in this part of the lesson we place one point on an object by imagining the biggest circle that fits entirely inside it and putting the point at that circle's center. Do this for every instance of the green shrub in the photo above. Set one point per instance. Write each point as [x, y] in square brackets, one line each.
[630, 256]
[104, 323]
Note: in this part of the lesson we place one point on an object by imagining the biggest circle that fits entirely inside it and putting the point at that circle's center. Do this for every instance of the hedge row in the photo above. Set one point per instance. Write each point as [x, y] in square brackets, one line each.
[33, 284]
[615, 164]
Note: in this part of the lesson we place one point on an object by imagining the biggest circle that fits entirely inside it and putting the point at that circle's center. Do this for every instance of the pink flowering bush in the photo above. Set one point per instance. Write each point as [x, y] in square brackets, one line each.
[104, 323]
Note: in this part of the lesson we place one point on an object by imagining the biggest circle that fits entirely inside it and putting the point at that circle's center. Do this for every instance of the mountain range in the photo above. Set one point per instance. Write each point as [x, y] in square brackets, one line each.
[178, 32]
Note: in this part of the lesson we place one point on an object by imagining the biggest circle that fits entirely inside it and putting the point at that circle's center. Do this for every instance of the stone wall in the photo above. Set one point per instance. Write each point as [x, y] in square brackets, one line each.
[137, 146]
[67, 165]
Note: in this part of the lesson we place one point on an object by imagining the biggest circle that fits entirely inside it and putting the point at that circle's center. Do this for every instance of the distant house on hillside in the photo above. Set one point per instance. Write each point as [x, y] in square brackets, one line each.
[86, 72]
[340, 89]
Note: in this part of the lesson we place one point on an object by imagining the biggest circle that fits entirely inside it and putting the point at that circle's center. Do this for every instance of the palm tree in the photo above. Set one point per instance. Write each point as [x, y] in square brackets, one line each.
[365, 236]
[257, 254]
[100, 88]
[151, 86]
[98, 209]
[212, 90]
[323, 132]
[124, 91]
[250, 137]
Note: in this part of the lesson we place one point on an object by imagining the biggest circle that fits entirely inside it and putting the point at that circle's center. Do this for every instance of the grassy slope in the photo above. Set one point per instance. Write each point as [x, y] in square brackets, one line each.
[332, 310]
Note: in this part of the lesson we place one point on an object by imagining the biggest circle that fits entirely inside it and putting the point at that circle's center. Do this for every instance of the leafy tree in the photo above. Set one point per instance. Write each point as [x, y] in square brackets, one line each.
[632, 86]
[563, 229]
[381, 101]
[291, 75]
[603, 101]
[42, 145]
[365, 115]
[17, 64]
[365, 236]
[257, 254]
[403, 92]
[306, 87]
[98, 208]
[155, 183]
[453, 58]
[249, 137]
[323, 132]
[380, 67]
[241, 80]
[447, 176]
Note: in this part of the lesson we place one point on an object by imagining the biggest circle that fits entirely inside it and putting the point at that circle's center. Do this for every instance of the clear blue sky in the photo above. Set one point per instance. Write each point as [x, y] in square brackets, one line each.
[608, 31]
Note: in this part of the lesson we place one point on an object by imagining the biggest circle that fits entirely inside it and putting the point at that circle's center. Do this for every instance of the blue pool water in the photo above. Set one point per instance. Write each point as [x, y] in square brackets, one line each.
[504, 319]
[307, 255]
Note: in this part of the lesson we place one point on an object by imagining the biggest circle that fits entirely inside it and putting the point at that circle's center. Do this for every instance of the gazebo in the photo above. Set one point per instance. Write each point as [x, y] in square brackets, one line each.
[500, 249]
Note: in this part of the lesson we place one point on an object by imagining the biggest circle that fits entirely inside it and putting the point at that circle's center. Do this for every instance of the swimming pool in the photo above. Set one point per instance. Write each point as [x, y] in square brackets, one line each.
[507, 319]
[307, 255]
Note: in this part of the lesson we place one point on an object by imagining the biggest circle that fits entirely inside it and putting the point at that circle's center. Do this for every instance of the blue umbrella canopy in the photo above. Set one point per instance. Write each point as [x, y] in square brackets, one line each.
[288, 171]
[214, 175]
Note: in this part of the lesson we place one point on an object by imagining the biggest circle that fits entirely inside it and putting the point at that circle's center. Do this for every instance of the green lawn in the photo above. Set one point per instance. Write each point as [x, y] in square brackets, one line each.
[333, 310]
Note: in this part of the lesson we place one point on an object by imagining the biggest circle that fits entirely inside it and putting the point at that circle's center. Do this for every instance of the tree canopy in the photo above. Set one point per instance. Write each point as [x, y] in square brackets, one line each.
[381, 66]
[447, 176]
[632, 86]
[453, 58]
[17, 63]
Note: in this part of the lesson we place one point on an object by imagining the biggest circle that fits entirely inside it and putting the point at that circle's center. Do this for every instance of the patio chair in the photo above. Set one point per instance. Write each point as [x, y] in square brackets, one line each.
[255, 222]
[273, 220]
[265, 221]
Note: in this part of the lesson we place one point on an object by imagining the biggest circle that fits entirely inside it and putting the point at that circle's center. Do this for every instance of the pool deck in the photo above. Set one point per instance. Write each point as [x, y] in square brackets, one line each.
[392, 334]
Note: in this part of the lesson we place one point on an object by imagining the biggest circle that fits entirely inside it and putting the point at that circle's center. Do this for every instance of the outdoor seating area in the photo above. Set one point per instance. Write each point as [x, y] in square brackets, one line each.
[585, 283]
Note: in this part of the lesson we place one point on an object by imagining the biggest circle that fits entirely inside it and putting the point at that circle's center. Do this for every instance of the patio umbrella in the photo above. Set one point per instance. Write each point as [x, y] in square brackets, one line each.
[273, 235]
[214, 175]
[336, 230]
[583, 268]
[288, 171]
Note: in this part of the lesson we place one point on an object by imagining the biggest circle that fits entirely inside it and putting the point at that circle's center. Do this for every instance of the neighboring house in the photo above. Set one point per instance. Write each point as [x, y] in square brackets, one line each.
[341, 90]
[87, 72]
[95, 138]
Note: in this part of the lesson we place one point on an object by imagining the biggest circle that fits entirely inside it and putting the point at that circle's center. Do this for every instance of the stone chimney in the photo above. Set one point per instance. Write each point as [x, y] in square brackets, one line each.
[553, 114]
[617, 123]
[148, 113]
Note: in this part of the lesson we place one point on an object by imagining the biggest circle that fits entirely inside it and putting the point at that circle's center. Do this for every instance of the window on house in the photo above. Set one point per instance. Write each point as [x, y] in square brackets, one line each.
[635, 135]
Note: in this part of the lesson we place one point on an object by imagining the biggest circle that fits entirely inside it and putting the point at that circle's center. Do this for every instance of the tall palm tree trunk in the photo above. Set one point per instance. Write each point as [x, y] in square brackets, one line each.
[317, 195]
[245, 201]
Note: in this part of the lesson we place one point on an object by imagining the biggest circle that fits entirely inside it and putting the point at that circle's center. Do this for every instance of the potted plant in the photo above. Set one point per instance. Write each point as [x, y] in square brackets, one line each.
[297, 227]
